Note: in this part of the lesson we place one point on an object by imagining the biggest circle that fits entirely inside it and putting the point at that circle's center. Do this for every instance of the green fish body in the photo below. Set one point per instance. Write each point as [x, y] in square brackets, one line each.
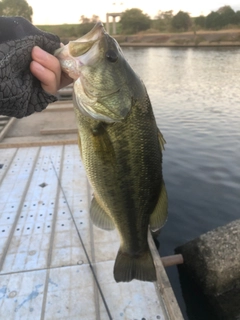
[121, 148]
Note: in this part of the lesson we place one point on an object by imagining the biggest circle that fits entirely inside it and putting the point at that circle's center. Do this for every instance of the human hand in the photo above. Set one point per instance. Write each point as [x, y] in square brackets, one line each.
[23, 92]
[46, 68]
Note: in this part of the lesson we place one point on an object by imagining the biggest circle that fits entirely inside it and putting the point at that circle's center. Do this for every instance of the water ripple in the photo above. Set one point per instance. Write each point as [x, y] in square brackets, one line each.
[195, 95]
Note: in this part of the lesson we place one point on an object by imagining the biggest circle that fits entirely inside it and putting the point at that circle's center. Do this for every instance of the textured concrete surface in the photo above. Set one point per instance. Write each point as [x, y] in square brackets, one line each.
[214, 258]
[213, 261]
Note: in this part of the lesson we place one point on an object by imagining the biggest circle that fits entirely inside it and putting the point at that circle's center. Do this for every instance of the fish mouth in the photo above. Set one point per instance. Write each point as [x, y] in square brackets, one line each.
[92, 98]
[82, 45]
[86, 41]
[80, 52]
[94, 33]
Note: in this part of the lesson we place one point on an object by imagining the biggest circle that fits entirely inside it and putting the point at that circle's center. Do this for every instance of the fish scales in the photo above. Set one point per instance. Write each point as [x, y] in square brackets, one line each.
[132, 149]
[121, 148]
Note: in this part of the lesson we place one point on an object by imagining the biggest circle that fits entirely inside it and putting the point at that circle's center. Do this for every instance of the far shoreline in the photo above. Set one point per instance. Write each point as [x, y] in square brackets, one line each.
[221, 38]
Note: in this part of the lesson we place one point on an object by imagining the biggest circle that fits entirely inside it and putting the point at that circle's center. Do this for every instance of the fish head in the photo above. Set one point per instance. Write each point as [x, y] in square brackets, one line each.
[102, 76]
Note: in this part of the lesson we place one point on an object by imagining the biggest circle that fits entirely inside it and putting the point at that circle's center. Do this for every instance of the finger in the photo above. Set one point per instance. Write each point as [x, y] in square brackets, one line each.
[46, 76]
[47, 60]
[44, 58]
[51, 63]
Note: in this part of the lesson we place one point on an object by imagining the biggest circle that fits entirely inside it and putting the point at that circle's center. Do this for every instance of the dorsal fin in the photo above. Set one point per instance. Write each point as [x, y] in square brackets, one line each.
[161, 140]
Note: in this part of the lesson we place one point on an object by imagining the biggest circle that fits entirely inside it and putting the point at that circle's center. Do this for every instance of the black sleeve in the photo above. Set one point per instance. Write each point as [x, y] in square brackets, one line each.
[21, 93]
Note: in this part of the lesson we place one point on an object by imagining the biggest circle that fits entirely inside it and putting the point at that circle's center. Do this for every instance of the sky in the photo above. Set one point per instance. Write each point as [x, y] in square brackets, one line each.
[70, 11]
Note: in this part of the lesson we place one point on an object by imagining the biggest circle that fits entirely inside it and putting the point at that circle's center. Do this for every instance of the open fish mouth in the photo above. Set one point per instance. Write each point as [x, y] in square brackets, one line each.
[77, 49]
[84, 44]
[98, 88]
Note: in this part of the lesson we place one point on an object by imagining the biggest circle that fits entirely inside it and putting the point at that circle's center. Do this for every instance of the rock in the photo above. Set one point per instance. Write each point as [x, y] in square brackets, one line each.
[213, 261]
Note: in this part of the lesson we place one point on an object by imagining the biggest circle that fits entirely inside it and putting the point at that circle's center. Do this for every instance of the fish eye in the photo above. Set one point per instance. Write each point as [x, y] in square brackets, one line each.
[111, 56]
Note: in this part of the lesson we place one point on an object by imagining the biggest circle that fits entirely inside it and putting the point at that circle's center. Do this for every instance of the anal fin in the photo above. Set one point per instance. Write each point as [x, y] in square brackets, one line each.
[99, 217]
[159, 214]
[161, 140]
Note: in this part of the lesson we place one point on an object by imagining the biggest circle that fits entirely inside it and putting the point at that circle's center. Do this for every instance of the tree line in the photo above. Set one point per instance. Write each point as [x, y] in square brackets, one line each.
[223, 17]
[134, 20]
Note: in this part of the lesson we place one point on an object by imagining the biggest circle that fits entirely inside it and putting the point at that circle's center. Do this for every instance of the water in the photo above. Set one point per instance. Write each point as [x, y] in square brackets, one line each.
[195, 95]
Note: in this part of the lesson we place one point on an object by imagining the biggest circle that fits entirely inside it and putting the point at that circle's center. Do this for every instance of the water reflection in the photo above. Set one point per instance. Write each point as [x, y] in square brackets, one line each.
[195, 94]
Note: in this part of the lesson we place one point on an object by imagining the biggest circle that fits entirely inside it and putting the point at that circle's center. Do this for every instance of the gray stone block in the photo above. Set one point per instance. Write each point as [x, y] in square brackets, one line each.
[213, 259]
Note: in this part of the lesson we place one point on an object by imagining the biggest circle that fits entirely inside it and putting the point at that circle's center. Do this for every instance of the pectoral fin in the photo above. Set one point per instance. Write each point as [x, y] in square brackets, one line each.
[159, 215]
[99, 217]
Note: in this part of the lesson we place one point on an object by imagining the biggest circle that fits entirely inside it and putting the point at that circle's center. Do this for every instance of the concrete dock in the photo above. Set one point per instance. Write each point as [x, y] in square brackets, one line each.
[54, 264]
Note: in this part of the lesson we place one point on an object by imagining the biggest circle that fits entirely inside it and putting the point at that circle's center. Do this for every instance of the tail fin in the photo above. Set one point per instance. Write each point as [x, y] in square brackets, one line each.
[128, 267]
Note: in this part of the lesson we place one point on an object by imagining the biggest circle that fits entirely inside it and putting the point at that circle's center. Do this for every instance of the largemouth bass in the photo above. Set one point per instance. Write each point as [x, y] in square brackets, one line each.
[121, 148]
